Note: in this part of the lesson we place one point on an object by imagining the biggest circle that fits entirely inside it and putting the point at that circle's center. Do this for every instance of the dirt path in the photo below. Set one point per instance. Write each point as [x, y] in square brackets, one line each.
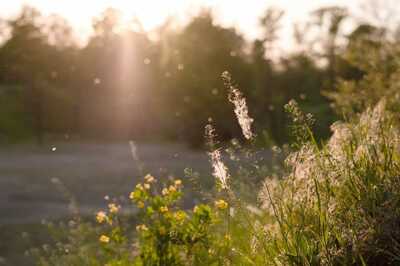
[36, 183]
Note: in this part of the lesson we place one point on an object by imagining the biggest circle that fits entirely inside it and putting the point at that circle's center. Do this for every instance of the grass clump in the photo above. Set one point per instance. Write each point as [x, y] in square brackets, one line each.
[338, 203]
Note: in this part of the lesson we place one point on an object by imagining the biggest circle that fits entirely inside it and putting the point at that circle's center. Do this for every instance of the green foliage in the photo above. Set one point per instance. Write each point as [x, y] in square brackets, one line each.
[169, 235]
[369, 71]
[14, 123]
[125, 84]
[192, 90]
[166, 234]
[301, 126]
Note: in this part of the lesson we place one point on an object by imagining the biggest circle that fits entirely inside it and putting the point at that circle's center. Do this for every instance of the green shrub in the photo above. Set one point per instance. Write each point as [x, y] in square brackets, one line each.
[14, 123]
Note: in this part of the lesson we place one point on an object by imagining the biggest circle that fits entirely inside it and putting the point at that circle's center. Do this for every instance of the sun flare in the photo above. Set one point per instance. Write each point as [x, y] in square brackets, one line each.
[149, 13]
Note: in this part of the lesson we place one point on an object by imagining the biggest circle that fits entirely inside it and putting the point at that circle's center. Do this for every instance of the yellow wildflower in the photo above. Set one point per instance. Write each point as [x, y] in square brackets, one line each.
[163, 209]
[132, 195]
[139, 186]
[221, 204]
[141, 227]
[180, 216]
[140, 204]
[149, 178]
[146, 186]
[178, 182]
[165, 192]
[104, 239]
[195, 209]
[113, 208]
[101, 217]
[172, 189]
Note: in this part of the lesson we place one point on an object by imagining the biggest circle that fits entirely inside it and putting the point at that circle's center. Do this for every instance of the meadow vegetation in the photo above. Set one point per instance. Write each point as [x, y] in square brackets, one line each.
[316, 201]
[333, 202]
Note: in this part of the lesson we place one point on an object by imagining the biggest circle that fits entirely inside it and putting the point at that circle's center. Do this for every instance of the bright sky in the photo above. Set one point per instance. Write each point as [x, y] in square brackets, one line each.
[242, 14]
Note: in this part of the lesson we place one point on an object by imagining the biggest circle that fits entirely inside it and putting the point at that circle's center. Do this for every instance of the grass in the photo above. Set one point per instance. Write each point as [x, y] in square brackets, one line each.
[332, 203]
[17, 239]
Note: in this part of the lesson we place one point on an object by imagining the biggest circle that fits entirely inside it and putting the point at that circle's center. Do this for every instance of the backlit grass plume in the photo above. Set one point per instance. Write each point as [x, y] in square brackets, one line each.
[220, 171]
[236, 97]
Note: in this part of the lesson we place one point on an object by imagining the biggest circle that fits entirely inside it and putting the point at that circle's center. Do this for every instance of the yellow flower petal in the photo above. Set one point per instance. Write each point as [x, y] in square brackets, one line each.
[141, 227]
[149, 178]
[113, 208]
[165, 191]
[163, 209]
[104, 239]
[221, 204]
[101, 217]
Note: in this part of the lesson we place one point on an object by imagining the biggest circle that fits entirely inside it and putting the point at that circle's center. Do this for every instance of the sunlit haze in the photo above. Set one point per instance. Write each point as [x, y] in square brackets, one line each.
[242, 14]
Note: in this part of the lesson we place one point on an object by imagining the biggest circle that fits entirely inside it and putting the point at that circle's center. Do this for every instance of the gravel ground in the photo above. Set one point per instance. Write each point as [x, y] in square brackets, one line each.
[38, 182]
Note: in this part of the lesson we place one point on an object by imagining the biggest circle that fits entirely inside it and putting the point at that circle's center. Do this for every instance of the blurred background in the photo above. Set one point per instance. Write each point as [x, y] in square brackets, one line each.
[149, 70]
[79, 79]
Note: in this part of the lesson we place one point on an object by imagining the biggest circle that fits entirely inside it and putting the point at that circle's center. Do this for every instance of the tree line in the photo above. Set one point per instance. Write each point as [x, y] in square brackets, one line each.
[127, 84]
